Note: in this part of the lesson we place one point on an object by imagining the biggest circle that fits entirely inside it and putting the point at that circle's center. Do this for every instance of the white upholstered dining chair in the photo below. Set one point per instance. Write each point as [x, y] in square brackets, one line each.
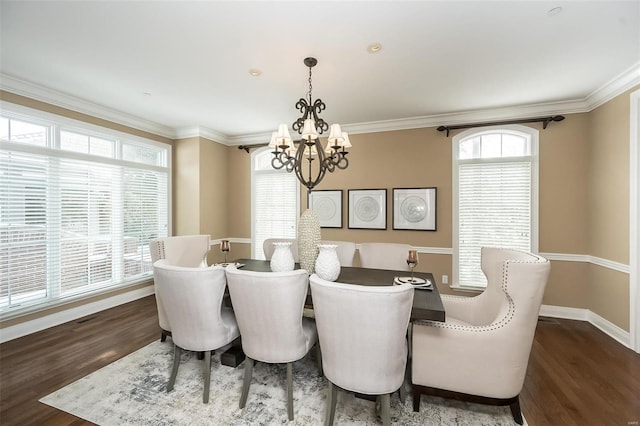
[384, 256]
[362, 332]
[185, 250]
[194, 309]
[346, 251]
[269, 308]
[268, 248]
[481, 352]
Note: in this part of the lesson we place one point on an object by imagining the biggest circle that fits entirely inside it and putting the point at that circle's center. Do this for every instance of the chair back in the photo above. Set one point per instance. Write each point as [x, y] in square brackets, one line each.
[268, 248]
[362, 332]
[193, 305]
[346, 251]
[494, 299]
[269, 307]
[384, 256]
[185, 250]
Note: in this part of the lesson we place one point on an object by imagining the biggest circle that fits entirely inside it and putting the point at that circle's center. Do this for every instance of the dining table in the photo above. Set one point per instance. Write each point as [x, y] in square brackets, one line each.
[427, 304]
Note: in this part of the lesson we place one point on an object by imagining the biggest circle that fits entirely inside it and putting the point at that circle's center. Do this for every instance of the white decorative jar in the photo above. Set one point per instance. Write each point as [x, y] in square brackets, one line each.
[328, 264]
[308, 240]
[282, 259]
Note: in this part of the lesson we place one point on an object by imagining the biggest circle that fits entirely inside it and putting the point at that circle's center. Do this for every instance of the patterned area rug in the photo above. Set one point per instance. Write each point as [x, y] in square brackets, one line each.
[132, 391]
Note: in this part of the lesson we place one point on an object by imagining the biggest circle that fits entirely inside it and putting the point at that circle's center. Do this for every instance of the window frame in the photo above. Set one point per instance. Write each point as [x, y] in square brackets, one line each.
[534, 159]
[55, 124]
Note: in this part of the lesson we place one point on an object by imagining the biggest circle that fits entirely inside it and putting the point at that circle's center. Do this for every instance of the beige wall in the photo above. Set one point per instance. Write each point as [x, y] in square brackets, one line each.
[608, 209]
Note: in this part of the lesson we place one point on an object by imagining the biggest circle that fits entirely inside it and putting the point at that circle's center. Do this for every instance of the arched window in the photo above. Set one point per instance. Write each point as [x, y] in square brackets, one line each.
[495, 185]
[275, 202]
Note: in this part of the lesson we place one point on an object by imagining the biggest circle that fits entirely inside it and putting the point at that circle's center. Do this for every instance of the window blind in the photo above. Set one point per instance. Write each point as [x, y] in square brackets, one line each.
[77, 211]
[494, 209]
[275, 203]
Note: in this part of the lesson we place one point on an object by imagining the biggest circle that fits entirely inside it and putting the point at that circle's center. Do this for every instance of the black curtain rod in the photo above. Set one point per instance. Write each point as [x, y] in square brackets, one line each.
[247, 148]
[544, 120]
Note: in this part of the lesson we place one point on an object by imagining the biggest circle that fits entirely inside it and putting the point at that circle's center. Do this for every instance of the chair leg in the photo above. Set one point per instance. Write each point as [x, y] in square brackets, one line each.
[332, 396]
[416, 399]
[385, 409]
[290, 390]
[207, 376]
[319, 355]
[515, 411]
[403, 393]
[174, 371]
[248, 372]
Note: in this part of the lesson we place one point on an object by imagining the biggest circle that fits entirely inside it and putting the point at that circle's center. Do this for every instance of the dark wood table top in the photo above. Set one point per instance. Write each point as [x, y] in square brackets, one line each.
[427, 304]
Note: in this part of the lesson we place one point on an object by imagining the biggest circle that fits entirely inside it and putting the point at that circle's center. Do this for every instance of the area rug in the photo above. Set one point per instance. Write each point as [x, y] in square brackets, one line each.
[132, 391]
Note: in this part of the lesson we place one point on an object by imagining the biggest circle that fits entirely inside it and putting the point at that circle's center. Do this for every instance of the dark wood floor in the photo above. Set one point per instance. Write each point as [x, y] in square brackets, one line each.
[577, 375]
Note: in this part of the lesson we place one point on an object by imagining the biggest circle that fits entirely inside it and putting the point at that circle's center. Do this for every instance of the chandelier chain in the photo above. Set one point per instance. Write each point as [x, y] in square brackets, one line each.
[310, 86]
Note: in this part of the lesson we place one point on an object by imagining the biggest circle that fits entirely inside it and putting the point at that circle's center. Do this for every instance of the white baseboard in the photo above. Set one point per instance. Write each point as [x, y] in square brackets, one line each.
[606, 326]
[42, 323]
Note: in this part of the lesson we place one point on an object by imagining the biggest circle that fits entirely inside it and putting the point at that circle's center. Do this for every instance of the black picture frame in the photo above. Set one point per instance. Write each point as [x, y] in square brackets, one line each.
[367, 209]
[414, 209]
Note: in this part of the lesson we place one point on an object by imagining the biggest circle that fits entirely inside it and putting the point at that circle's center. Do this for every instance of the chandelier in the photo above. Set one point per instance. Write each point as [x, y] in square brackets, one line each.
[309, 159]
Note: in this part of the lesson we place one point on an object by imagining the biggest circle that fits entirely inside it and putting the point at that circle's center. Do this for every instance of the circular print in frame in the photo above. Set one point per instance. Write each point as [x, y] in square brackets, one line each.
[413, 209]
[367, 209]
[325, 208]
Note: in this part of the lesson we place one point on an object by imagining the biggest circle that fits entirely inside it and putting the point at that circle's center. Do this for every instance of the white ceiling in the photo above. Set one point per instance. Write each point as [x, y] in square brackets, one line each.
[182, 65]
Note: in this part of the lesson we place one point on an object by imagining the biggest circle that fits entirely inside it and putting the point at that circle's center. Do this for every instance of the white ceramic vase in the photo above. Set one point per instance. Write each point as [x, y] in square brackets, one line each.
[282, 259]
[328, 264]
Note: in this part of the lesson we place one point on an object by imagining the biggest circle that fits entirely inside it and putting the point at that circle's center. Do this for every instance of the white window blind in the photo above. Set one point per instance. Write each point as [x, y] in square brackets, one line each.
[495, 198]
[275, 202]
[77, 210]
[495, 211]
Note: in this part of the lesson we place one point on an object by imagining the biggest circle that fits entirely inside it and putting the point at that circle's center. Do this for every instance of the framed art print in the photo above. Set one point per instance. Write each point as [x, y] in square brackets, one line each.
[327, 205]
[368, 209]
[414, 209]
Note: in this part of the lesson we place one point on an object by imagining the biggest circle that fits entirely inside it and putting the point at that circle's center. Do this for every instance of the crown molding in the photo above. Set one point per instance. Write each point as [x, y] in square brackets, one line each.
[53, 97]
[616, 86]
[202, 132]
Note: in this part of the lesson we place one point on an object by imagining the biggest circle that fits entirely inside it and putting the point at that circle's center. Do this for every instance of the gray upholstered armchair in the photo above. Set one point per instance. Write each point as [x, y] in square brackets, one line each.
[481, 352]
[194, 308]
[269, 307]
[188, 251]
[362, 332]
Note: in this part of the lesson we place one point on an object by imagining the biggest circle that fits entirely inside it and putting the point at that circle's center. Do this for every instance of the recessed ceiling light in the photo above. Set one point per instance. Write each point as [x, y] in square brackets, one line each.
[255, 72]
[555, 11]
[374, 48]
[146, 93]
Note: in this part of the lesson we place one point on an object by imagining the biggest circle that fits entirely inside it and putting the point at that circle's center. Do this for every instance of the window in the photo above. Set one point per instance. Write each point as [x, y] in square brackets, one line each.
[78, 206]
[495, 184]
[275, 202]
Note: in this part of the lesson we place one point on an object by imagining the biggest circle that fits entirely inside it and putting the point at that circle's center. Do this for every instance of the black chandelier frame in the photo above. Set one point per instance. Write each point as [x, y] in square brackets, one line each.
[284, 155]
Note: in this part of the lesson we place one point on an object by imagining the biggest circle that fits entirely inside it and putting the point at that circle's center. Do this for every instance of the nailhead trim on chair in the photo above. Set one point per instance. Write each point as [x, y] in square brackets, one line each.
[160, 249]
[506, 319]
